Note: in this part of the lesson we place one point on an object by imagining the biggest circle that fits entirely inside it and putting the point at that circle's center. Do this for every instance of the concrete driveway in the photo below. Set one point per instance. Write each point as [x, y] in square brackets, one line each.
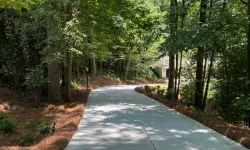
[118, 118]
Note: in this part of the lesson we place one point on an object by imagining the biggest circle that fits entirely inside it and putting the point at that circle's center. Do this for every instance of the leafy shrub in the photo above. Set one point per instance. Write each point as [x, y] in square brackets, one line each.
[152, 88]
[188, 92]
[170, 94]
[3, 115]
[74, 83]
[160, 92]
[34, 123]
[35, 78]
[158, 87]
[7, 125]
[26, 140]
[44, 128]
[147, 88]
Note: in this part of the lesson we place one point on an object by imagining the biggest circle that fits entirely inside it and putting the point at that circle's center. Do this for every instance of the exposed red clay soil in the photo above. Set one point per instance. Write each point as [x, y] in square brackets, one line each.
[238, 133]
[21, 107]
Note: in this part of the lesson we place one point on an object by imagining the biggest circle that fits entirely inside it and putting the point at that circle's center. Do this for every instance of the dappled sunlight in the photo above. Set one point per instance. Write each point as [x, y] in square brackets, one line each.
[117, 116]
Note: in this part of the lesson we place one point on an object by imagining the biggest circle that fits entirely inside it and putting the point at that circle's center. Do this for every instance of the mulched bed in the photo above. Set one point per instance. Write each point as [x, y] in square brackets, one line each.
[238, 133]
[21, 108]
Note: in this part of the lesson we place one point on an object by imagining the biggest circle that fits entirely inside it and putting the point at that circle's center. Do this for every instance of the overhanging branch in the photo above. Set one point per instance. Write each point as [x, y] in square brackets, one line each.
[244, 2]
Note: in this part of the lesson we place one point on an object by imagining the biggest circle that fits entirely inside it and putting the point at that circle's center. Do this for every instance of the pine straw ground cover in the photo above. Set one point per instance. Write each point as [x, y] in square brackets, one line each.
[20, 106]
[238, 133]
[23, 110]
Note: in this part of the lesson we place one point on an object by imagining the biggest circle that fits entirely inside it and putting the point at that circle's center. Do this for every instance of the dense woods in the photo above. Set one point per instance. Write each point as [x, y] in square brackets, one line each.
[45, 45]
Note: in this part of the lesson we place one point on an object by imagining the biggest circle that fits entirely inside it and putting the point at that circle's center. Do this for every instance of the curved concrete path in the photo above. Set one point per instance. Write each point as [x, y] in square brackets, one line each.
[118, 118]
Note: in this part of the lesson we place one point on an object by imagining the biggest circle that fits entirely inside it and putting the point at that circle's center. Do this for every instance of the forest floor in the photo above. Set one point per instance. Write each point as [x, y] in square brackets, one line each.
[238, 133]
[21, 107]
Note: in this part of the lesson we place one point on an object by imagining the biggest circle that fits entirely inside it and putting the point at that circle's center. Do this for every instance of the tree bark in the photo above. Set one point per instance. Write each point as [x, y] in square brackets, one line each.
[69, 76]
[208, 80]
[183, 15]
[204, 71]
[179, 77]
[199, 62]
[128, 65]
[63, 76]
[176, 72]
[94, 67]
[173, 27]
[101, 67]
[54, 94]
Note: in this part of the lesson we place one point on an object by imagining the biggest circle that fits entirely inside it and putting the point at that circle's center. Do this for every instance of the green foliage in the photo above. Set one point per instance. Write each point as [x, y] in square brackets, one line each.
[231, 87]
[3, 115]
[160, 92]
[152, 88]
[188, 92]
[44, 128]
[34, 123]
[27, 139]
[7, 125]
[35, 78]
[74, 83]
[147, 88]
[170, 94]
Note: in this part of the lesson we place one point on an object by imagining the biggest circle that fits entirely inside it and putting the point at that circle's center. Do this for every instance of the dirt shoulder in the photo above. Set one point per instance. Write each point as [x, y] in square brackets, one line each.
[237, 133]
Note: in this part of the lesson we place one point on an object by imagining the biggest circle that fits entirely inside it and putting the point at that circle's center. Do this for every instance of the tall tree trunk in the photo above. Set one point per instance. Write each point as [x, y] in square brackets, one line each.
[179, 77]
[54, 94]
[208, 80]
[199, 63]
[101, 62]
[173, 27]
[176, 72]
[63, 76]
[94, 67]
[204, 71]
[109, 68]
[69, 76]
[118, 65]
[183, 15]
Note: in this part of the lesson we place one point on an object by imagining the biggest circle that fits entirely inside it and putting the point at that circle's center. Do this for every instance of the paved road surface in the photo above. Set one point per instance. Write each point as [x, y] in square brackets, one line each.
[118, 118]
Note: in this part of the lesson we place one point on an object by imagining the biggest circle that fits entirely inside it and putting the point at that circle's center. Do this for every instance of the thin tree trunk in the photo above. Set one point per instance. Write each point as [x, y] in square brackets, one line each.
[173, 27]
[63, 76]
[101, 67]
[118, 65]
[69, 76]
[128, 65]
[179, 77]
[109, 68]
[171, 72]
[199, 63]
[176, 72]
[204, 71]
[94, 66]
[208, 80]
[183, 15]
